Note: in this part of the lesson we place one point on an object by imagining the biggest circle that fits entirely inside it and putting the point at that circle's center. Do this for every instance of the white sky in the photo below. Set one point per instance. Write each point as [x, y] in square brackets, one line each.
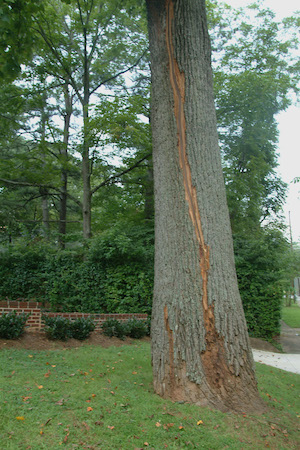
[289, 128]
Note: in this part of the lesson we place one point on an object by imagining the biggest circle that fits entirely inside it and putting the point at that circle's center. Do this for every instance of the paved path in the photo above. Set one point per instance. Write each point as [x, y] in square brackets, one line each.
[285, 361]
[290, 359]
[290, 339]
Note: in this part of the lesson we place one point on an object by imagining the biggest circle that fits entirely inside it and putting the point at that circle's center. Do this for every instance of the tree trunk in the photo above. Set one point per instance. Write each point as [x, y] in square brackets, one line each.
[200, 345]
[148, 192]
[45, 212]
[64, 172]
[44, 191]
[86, 164]
[86, 179]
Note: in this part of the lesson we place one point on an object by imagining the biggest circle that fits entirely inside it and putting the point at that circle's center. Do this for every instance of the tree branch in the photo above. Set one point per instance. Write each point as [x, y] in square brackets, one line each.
[39, 185]
[118, 175]
[119, 73]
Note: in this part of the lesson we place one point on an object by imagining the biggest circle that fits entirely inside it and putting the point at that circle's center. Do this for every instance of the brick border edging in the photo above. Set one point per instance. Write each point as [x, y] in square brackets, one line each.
[36, 310]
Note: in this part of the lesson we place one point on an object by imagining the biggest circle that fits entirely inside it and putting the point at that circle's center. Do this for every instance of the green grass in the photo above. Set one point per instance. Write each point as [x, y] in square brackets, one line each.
[291, 316]
[98, 398]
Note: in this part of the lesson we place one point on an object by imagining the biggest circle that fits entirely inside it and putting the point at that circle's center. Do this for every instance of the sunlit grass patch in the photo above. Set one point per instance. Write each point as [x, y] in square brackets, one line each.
[291, 316]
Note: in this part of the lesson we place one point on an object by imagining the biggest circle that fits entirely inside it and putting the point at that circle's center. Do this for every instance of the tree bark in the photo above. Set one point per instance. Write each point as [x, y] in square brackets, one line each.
[45, 212]
[148, 192]
[43, 190]
[86, 177]
[200, 345]
[62, 228]
[86, 163]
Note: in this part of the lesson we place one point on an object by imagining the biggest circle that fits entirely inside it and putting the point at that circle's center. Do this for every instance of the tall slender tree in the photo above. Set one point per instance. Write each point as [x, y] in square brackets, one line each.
[92, 47]
[200, 345]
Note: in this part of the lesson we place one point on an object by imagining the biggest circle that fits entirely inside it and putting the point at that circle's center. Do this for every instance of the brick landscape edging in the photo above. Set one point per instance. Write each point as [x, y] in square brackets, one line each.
[36, 310]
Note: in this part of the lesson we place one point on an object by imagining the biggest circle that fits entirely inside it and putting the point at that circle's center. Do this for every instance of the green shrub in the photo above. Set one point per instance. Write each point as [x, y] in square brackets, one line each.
[133, 328]
[62, 328]
[136, 329]
[57, 327]
[112, 327]
[258, 267]
[81, 328]
[148, 325]
[12, 325]
[113, 274]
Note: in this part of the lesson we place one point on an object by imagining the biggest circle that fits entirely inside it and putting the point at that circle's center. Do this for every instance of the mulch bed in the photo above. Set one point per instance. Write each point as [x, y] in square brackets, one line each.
[39, 341]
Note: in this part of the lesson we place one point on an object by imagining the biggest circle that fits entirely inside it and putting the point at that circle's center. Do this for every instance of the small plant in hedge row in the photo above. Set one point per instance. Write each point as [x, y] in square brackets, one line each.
[62, 328]
[133, 328]
[136, 329]
[57, 327]
[12, 325]
[81, 328]
[112, 327]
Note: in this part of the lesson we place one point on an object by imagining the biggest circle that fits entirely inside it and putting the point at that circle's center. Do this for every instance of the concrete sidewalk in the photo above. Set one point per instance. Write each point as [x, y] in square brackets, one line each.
[289, 362]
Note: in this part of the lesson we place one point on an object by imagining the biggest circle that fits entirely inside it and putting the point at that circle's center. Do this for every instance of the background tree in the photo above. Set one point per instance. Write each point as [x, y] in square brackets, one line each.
[253, 83]
[91, 47]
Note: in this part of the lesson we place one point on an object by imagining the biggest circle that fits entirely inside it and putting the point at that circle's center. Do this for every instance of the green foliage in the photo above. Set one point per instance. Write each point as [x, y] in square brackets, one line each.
[114, 275]
[22, 272]
[258, 265]
[62, 328]
[252, 83]
[57, 327]
[17, 38]
[112, 327]
[136, 329]
[81, 328]
[12, 325]
[133, 328]
[148, 324]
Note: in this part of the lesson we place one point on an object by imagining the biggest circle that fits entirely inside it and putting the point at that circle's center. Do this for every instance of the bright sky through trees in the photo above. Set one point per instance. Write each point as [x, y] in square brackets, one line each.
[289, 130]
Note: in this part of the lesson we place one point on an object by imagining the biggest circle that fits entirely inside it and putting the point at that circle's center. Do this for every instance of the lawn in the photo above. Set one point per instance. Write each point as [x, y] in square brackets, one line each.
[291, 316]
[99, 398]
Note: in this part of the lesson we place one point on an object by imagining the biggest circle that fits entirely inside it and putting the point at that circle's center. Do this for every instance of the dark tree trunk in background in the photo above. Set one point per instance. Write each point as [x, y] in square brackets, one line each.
[200, 344]
[64, 172]
[148, 191]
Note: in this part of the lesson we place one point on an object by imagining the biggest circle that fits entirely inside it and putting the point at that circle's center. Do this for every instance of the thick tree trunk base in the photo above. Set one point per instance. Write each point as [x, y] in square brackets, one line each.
[227, 397]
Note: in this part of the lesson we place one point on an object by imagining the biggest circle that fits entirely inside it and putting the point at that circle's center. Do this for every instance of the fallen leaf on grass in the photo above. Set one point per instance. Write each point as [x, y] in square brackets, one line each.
[158, 424]
[181, 427]
[20, 418]
[111, 428]
[40, 386]
[86, 426]
[66, 438]
[168, 425]
[89, 408]
[200, 422]
[99, 423]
